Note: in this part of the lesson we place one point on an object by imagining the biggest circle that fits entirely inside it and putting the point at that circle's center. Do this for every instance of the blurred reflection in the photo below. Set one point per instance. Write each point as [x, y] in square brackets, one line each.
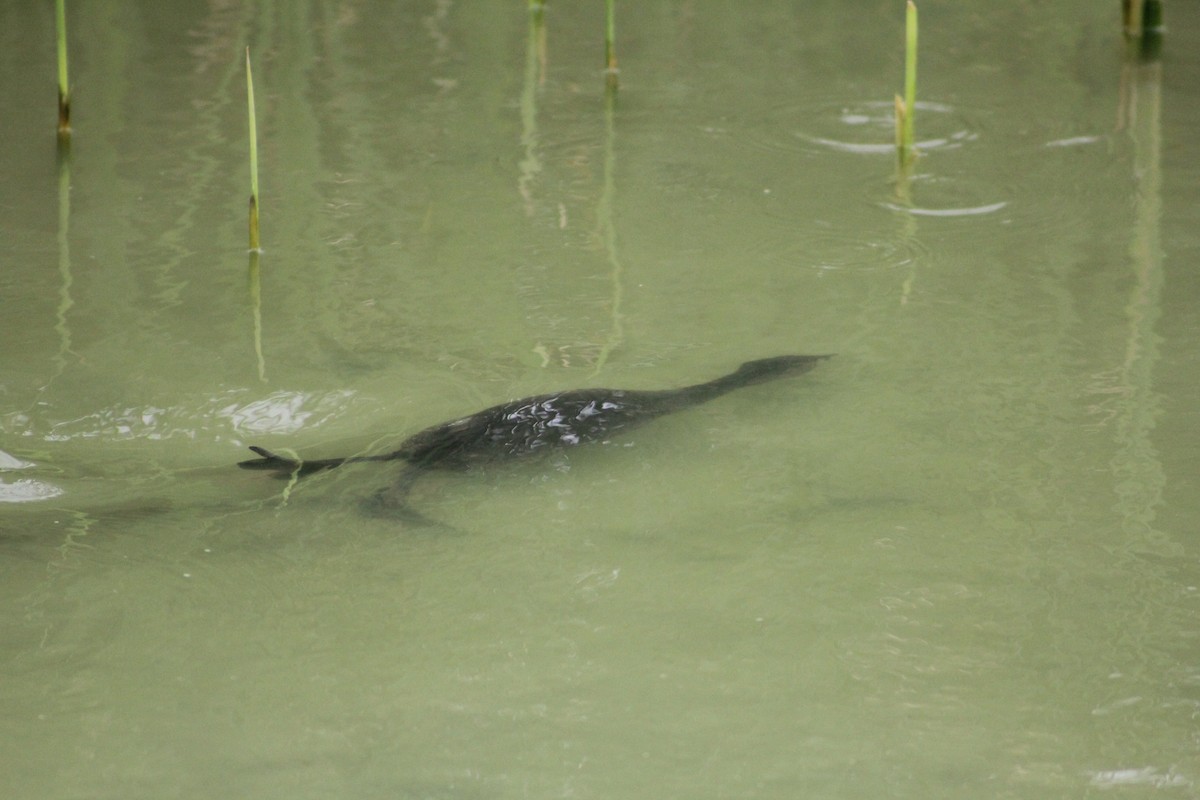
[279, 412]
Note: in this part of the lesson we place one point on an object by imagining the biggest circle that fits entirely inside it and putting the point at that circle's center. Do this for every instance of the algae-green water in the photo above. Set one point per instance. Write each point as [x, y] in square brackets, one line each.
[957, 560]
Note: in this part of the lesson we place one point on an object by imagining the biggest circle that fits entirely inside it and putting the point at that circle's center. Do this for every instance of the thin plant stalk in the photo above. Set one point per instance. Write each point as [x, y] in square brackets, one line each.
[910, 71]
[906, 110]
[65, 302]
[1152, 28]
[906, 107]
[1152, 17]
[1131, 13]
[64, 88]
[254, 240]
[255, 277]
[610, 43]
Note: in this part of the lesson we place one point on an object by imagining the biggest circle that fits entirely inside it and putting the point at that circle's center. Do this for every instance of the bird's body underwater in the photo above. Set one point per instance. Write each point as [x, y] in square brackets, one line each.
[538, 424]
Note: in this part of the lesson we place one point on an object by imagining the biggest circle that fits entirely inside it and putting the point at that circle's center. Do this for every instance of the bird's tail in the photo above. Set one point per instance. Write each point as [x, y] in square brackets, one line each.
[286, 467]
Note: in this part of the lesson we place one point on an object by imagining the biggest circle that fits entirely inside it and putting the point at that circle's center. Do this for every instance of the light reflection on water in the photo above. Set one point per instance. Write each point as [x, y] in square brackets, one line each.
[215, 417]
[27, 490]
[947, 212]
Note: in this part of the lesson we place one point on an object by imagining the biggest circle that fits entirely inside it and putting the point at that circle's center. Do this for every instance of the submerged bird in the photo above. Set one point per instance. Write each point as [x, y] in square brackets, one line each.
[536, 424]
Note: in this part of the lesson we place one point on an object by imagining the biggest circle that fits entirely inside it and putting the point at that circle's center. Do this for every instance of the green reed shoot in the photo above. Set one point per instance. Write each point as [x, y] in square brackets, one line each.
[610, 43]
[254, 241]
[1142, 17]
[906, 108]
[64, 88]
[1152, 16]
[1144, 28]
[910, 70]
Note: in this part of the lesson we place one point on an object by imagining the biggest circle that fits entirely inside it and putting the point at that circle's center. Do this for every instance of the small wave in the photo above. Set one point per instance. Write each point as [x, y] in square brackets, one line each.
[1139, 776]
[27, 490]
[278, 412]
[969, 211]
[861, 128]
[841, 244]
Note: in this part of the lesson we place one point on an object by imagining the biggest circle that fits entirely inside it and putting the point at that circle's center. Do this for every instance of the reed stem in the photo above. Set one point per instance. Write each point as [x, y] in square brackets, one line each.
[910, 71]
[254, 239]
[64, 87]
[610, 43]
[1152, 28]
[906, 107]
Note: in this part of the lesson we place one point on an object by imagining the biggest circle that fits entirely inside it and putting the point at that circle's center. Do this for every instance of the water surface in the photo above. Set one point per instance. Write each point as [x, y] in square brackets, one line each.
[959, 560]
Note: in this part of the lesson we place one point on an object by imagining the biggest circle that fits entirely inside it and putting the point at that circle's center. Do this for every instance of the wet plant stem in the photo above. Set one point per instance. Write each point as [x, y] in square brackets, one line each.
[910, 71]
[906, 108]
[610, 43]
[254, 240]
[64, 88]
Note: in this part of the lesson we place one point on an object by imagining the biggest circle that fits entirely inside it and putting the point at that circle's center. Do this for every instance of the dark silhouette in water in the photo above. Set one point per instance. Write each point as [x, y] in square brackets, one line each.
[537, 424]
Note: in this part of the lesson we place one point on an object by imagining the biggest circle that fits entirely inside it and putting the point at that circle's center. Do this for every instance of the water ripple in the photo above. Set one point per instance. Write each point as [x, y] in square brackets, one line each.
[23, 490]
[861, 128]
[278, 412]
[839, 245]
[969, 211]
[27, 490]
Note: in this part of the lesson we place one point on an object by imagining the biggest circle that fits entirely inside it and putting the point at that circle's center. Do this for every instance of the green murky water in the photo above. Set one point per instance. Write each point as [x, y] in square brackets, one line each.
[959, 560]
